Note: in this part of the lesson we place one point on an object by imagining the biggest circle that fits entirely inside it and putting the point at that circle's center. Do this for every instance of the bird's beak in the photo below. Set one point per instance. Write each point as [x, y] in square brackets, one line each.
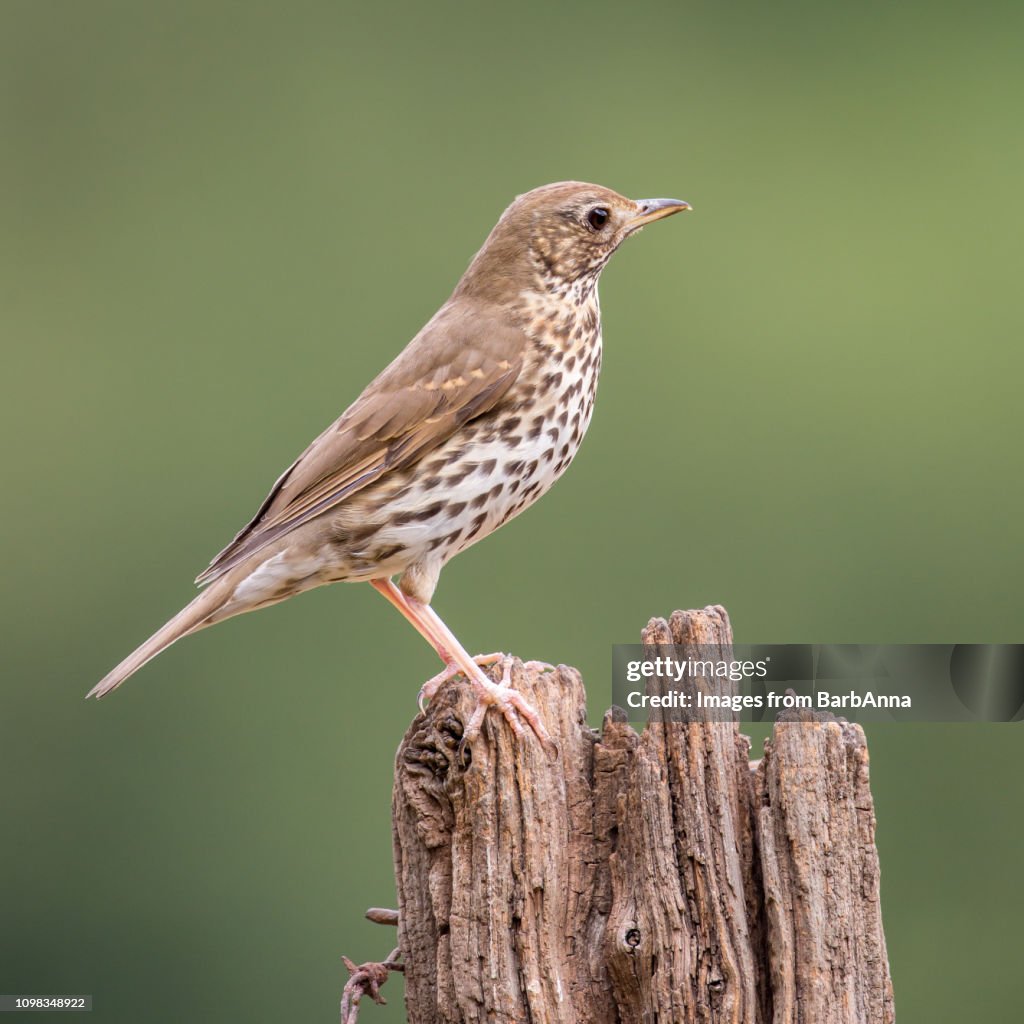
[650, 210]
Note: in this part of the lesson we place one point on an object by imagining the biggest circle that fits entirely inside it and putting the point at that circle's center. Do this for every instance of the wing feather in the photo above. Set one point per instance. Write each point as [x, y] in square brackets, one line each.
[457, 368]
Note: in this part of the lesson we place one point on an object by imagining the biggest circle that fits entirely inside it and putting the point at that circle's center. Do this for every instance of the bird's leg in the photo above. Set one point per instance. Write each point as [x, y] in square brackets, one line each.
[457, 659]
[450, 670]
[388, 589]
[394, 594]
[511, 704]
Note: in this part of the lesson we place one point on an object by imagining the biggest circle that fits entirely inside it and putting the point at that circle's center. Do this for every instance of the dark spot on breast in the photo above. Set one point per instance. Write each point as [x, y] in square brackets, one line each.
[448, 540]
[513, 440]
[531, 468]
[564, 417]
[513, 468]
[570, 362]
[479, 501]
[358, 536]
[553, 433]
[464, 470]
[383, 554]
[431, 482]
[510, 424]
[495, 491]
[552, 380]
[564, 451]
[513, 487]
[548, 455]
[476, 526]
[427, 513]
[454, 510]
[487, 468]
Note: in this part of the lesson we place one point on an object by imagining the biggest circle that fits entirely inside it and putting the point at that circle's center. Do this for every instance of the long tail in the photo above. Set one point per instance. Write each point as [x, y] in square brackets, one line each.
[193, 617]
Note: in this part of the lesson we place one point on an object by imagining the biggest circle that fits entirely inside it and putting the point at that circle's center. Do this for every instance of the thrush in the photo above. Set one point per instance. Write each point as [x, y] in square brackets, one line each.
[473, 421]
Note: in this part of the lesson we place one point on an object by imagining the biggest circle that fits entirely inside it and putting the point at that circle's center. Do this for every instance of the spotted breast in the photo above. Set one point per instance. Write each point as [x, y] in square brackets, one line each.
[498, 464]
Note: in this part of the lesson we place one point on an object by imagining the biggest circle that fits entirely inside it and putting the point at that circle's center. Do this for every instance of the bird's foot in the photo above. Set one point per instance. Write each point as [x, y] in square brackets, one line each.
[429, 689]
[511, 704]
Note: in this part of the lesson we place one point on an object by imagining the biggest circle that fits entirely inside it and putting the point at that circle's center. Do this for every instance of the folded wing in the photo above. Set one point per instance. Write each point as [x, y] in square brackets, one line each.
[457, 368]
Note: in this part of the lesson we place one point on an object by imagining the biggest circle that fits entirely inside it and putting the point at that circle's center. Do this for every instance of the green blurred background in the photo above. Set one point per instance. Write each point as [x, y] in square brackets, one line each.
[220, 220]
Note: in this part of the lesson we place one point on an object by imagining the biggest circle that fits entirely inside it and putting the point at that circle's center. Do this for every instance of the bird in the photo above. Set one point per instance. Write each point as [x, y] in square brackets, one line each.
[470, 424]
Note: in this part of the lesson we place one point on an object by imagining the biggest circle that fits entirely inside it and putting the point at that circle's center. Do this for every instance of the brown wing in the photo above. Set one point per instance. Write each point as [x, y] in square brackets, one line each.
[458, 367]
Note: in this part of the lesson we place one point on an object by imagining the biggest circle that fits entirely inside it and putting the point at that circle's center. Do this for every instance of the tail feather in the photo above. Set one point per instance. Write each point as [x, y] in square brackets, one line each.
[193, 617]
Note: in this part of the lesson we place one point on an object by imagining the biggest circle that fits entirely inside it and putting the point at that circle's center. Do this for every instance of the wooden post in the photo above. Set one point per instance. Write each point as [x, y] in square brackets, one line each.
[658, 877]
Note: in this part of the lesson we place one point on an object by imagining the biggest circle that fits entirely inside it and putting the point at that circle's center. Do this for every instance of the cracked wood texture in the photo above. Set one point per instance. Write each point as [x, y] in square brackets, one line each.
[652, 877]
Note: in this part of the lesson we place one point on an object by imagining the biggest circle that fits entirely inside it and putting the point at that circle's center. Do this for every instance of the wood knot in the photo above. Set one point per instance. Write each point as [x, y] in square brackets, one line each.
[716, 990]
[632, 938]
[435, 746]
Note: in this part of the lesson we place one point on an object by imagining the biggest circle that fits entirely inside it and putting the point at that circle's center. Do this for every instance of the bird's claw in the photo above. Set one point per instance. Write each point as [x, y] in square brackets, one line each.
[513, 706]
[429, 689]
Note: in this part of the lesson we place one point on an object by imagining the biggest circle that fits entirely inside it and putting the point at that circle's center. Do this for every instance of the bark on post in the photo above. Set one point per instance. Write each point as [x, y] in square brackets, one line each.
[637, 878]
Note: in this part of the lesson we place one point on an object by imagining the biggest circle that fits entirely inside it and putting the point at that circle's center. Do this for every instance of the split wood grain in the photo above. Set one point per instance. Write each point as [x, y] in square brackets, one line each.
[651, 877]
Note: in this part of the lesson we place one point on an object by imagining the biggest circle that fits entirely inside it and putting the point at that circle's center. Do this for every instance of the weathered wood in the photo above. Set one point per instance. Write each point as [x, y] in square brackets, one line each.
[656, 877]
[819, 865]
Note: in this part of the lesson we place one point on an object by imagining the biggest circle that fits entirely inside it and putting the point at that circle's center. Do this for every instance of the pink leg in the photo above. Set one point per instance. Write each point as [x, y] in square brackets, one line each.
[450, 670]
[508, 701]
[395, 595]
[431, 627]
[389, 590]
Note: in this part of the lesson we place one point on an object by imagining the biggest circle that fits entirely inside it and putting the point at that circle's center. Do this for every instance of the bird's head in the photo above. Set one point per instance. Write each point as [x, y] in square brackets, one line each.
[562, 233]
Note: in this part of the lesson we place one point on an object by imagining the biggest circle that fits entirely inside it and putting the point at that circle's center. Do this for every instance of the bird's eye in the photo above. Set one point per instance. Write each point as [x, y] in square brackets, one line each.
[597, 217]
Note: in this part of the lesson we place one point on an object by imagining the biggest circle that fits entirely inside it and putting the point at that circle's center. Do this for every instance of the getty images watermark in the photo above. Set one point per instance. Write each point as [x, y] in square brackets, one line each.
[755, 682]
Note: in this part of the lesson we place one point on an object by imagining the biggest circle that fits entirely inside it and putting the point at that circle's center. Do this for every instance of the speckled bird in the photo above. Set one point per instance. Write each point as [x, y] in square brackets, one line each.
[479, 415]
